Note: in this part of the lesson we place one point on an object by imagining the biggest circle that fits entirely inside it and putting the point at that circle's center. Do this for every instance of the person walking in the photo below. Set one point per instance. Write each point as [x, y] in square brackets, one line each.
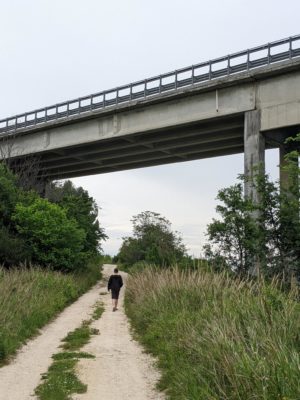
[114, 285]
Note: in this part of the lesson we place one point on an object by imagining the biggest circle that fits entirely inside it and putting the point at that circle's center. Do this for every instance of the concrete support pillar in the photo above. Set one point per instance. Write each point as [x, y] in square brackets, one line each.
[254, 163]
[254, 152]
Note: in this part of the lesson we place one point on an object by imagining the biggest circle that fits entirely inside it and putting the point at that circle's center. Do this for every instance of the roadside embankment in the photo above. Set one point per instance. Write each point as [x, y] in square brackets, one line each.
[29, 298]
[216, 337]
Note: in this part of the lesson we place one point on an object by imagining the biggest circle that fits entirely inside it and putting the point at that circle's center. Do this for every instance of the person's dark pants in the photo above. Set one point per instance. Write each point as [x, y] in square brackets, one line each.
[115, 294]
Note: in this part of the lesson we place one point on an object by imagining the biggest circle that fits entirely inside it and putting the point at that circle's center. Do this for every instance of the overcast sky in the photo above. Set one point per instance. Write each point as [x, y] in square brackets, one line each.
[54, 50]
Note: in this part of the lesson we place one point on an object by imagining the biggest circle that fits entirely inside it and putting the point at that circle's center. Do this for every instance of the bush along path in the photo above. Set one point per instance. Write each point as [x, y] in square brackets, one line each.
[19, 379]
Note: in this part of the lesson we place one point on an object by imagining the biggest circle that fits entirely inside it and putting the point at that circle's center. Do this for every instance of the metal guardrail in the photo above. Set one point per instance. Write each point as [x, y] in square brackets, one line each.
[220, 67]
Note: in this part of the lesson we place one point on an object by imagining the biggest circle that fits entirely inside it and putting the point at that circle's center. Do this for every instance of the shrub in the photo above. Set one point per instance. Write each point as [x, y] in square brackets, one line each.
[53, 238]
[12, 248]
[8, 195]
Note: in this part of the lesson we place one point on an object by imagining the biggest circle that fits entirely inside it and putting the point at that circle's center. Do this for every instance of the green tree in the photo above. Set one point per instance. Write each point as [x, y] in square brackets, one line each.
[272, 237]
[153, 241]
[233, 238]
[9, 194]
[54, 239]
[82, 208]
[13, 249]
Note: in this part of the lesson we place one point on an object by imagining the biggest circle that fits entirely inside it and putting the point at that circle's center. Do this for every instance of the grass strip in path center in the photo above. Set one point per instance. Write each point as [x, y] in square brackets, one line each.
[61, 381]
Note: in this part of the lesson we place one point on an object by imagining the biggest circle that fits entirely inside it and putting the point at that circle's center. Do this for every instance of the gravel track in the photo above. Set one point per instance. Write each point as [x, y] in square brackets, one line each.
[120, 371]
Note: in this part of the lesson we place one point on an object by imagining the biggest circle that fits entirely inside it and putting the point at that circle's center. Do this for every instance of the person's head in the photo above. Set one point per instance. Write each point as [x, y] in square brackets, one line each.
[116, 270]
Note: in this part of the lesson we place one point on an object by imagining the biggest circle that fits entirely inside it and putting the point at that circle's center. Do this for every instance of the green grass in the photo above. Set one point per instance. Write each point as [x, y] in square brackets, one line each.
[98, 310]
[74, 355]
[61, 381]
[79, 337]
[29, 298]
[217, 338]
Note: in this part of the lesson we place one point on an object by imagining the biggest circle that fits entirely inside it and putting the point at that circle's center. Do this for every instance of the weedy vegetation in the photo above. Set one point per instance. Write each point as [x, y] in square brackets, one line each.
[31, 297]
[98, 310]
[217, 337]
[79, 337]
[61, 381]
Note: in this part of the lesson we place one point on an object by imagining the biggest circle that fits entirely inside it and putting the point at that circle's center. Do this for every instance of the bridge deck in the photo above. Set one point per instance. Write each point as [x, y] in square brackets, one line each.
[247, 60]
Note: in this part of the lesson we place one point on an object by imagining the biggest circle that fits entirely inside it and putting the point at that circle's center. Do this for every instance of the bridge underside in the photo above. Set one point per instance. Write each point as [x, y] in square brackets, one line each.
[178, 144]
[250, 112]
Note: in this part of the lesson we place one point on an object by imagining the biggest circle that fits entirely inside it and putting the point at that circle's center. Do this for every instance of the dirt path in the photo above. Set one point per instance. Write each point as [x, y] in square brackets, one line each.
[120, 370]
[19, 379]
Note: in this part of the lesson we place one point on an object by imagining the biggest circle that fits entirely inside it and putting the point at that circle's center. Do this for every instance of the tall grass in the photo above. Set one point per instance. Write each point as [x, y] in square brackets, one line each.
[216, 337]
[29, 298]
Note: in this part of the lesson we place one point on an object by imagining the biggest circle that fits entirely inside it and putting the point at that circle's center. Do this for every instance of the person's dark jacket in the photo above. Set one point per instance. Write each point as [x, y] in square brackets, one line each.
[115, 282]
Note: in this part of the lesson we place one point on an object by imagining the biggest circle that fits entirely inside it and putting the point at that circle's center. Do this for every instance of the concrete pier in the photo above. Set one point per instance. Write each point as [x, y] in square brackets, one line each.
[254, 152]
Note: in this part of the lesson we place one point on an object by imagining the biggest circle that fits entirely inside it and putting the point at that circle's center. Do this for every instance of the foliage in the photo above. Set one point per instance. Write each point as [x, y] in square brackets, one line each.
[64, 235]
[54, 239]
[217, 337]
[236, 232]
[13, 249]
[153, 241]
[8, 195]
[82, 208]
[266, 233]
[107, 259]
[31, 297]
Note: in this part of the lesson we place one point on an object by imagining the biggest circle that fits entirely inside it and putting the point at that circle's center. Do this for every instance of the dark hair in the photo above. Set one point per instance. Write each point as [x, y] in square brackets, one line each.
[116, 270]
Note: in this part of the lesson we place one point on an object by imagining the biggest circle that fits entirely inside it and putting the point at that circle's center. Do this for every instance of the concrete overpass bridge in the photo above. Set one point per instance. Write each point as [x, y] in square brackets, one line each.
[243, 102]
